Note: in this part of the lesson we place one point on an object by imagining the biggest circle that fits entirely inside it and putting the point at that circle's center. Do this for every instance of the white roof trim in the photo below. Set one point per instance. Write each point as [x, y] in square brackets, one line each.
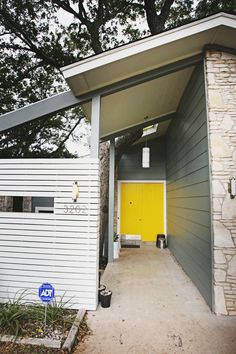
[220, 19]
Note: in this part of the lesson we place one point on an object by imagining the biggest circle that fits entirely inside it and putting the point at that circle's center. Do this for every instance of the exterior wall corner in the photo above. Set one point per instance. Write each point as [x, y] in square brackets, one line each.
[220, 70]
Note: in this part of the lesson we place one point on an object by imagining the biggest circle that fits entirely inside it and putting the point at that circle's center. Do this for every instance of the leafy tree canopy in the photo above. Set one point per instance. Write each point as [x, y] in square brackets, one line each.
[38, 37]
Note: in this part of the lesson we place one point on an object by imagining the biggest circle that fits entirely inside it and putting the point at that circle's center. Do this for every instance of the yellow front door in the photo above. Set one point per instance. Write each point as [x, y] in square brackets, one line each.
[142, 210]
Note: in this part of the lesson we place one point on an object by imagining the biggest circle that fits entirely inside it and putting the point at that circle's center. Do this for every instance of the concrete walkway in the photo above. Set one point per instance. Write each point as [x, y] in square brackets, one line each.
[155, 309]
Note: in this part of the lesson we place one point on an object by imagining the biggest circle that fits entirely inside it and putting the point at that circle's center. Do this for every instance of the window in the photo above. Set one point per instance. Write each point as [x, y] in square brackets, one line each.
[17, 204]
[41, 209]
[27, 204]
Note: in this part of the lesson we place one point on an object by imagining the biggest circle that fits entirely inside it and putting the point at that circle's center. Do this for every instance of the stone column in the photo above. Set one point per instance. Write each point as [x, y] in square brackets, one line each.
[9, 204]
[2, 204]
[27, 204]
[221, 100]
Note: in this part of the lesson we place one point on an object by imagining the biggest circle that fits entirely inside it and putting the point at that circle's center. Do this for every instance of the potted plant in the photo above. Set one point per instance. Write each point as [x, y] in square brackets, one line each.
[116, 246]
[101, 288]
[105, 297]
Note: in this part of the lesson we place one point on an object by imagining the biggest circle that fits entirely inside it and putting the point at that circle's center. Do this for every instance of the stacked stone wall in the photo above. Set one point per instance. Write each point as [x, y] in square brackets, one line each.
[221, 97]
[27, 204]
[2, 204]
[6, 204]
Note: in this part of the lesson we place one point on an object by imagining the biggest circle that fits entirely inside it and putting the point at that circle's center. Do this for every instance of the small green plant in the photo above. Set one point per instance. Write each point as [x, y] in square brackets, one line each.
[13, 313]
[115, 237]
[57, 312]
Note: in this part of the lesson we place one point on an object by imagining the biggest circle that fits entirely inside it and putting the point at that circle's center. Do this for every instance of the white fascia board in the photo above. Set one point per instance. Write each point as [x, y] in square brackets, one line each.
[220, 19]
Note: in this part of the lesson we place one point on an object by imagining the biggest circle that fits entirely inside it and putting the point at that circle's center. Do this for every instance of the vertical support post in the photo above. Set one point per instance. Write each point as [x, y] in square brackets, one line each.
[111, 200]
[95, 127]
[94, 153]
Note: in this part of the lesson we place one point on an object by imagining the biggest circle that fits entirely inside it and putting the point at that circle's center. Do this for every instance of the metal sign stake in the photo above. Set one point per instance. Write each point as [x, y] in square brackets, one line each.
[45, 317]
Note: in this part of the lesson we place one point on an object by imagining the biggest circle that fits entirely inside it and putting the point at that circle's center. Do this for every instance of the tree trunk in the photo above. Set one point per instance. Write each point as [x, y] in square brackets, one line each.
[104, 194]
[156, 23]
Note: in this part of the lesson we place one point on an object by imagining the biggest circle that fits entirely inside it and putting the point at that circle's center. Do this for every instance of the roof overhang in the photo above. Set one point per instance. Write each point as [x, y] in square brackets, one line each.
[125, 102]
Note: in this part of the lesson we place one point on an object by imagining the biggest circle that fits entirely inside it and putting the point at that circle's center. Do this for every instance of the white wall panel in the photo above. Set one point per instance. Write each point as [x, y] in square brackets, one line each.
[59, 248]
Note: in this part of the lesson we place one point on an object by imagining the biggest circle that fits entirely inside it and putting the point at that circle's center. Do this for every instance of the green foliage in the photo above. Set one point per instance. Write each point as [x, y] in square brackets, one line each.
[208, 7]
[38, 37]
[44, 137]
[12, 314]
[31, 51]
[19, 317]
[181, 12]
[55, 312]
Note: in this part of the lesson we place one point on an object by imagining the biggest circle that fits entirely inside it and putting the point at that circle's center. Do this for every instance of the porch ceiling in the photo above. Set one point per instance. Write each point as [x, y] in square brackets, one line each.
[126, 105]
[152, 99]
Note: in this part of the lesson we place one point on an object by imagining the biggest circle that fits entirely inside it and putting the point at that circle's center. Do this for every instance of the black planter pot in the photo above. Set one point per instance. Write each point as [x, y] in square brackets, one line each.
[105, 298]
[101, 288]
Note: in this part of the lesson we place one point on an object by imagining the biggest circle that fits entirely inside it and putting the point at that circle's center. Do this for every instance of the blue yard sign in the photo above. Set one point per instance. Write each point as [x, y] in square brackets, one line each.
[46, 292]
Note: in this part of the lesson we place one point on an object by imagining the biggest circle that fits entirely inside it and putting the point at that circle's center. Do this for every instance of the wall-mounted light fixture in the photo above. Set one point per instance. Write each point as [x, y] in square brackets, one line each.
[232, 187]
[145, 150]
[75, 191]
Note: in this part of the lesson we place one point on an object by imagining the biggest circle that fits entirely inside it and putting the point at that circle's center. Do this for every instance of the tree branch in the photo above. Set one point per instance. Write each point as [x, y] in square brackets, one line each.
[92, 27]
[165, 11]
[100, 12]
[82, 13]
[66, 6]
[14, 46]
[152, 18]
[15, 28]
[156, 22]
[67, 137]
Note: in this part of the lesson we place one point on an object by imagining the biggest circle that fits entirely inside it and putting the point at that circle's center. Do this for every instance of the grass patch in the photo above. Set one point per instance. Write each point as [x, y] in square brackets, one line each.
[21, 318]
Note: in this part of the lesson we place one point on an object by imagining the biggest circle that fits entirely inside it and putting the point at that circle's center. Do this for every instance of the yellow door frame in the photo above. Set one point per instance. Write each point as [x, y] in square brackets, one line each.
[140, 181]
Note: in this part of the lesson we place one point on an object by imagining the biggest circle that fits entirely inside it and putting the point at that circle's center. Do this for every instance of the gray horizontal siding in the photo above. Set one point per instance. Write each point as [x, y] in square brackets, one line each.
[188, 194]
[42, 202]
[130, 166]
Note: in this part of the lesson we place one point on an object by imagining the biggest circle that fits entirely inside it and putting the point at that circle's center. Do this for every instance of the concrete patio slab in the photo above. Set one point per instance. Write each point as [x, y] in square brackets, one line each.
[155, 309]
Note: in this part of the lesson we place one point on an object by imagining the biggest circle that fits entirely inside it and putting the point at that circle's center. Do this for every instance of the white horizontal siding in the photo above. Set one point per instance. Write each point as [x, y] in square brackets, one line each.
[67, 216]
[67, 237]
[70, 261]
[59, 248]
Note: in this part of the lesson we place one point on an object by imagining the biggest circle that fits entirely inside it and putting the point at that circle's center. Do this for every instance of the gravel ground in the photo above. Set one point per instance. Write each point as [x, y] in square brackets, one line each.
[9, 348]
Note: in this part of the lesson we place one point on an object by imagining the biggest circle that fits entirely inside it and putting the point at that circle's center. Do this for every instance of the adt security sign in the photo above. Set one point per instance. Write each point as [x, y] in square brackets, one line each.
[46, 292]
